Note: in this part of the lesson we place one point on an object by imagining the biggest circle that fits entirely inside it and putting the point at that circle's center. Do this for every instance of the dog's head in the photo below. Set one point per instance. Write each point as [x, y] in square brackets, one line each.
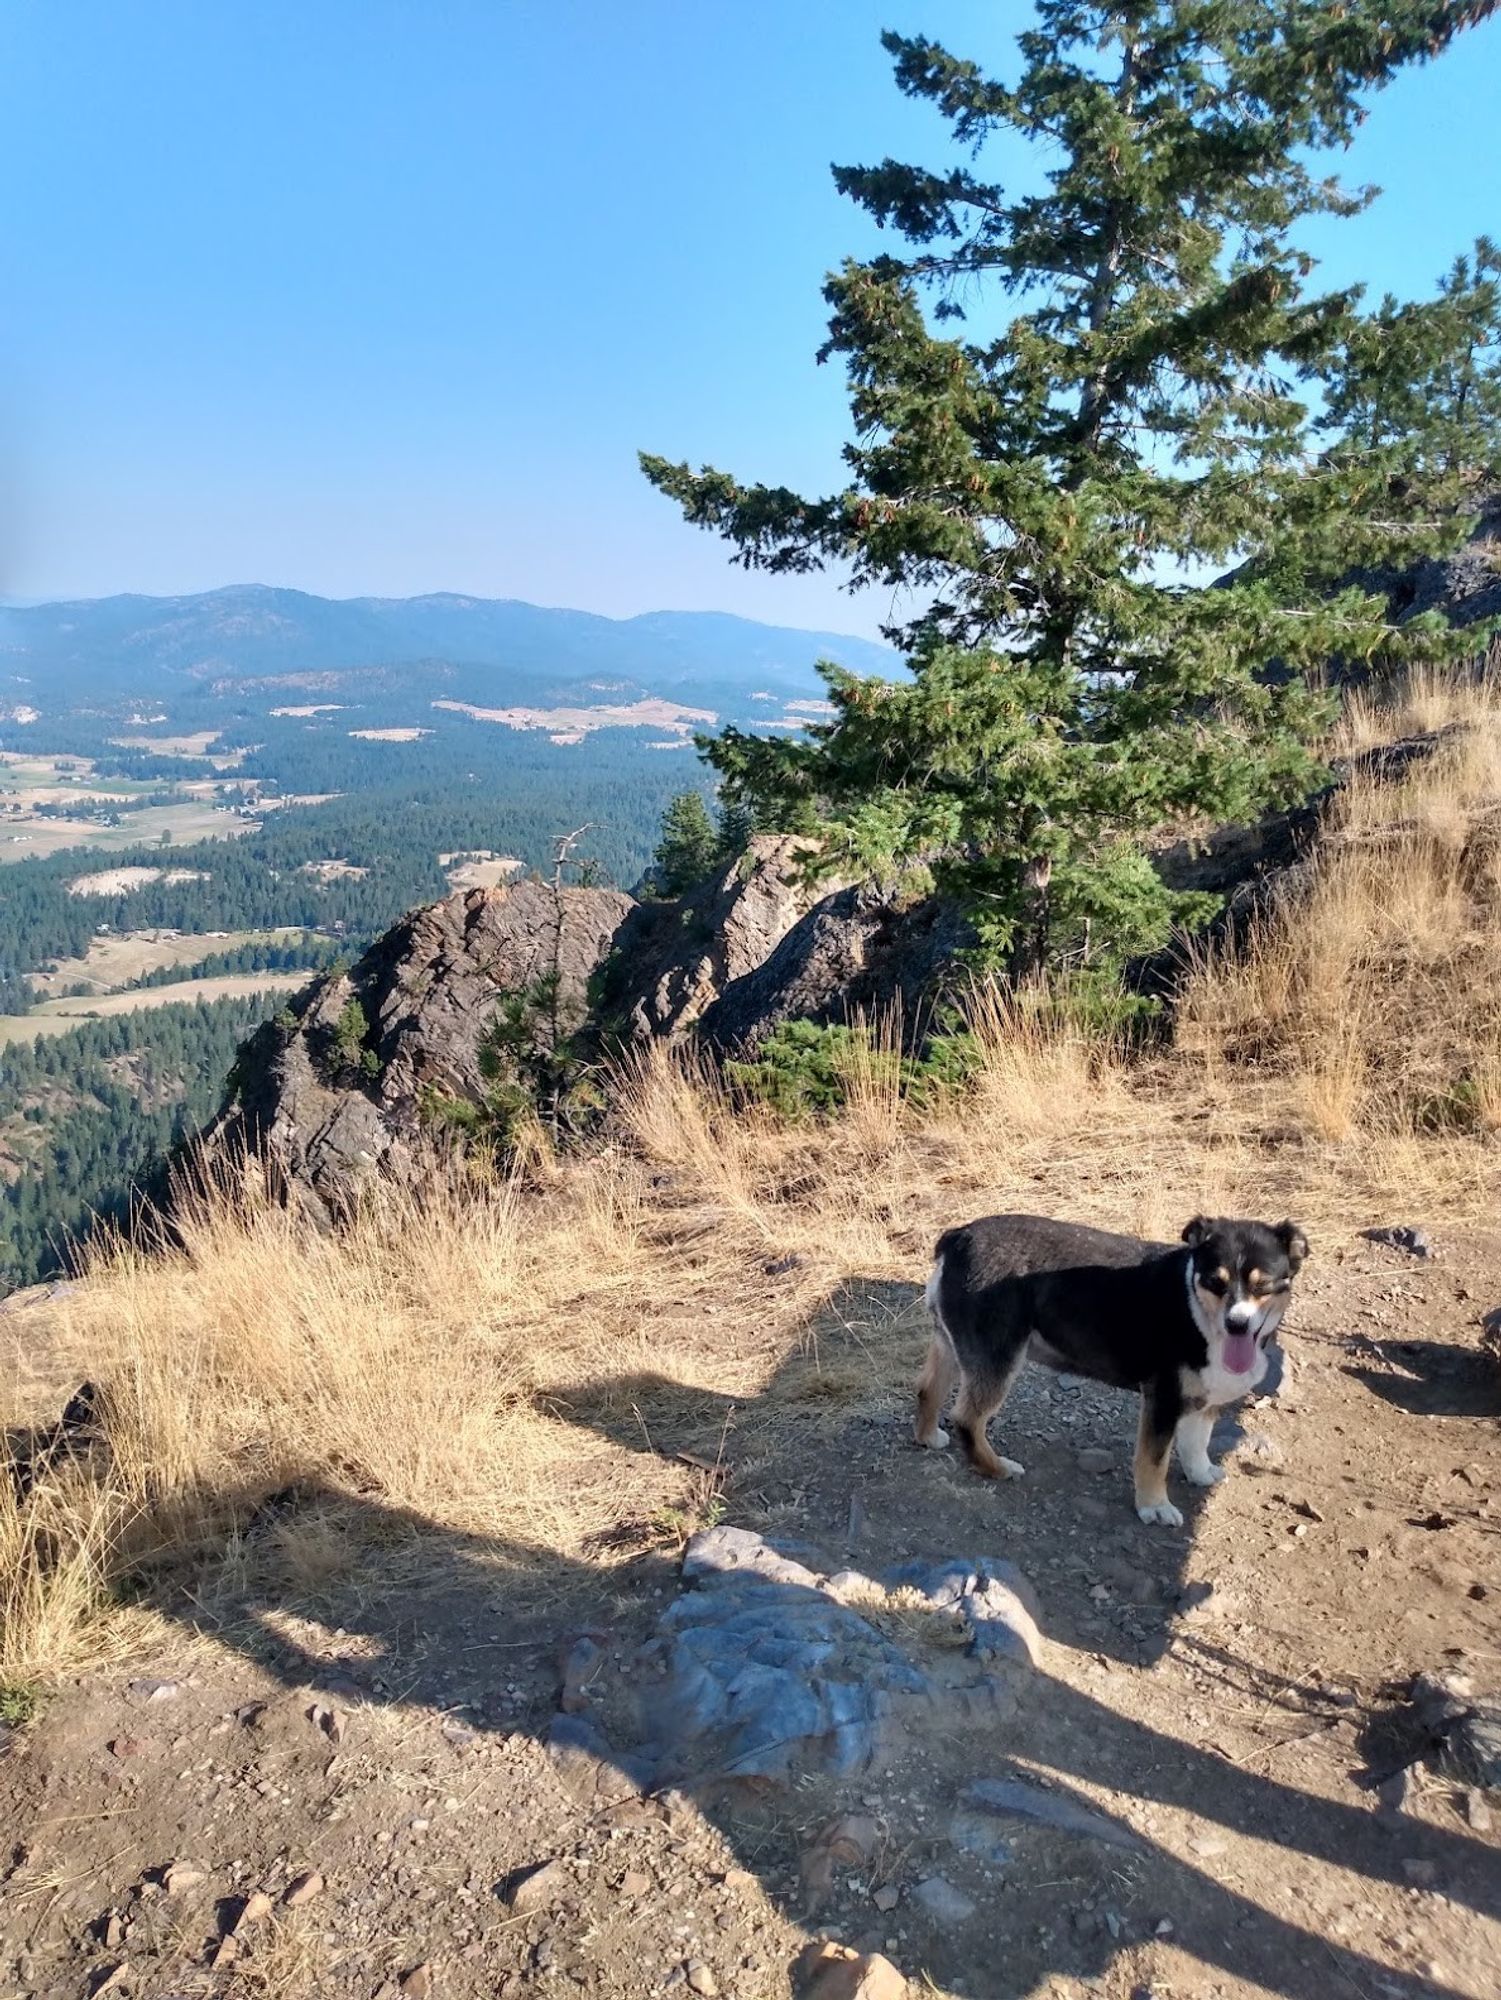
[1241, 1274]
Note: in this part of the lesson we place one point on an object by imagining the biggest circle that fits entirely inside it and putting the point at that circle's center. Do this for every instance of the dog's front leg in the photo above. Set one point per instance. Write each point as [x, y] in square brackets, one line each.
[1161, 1407]
[1194, 1430]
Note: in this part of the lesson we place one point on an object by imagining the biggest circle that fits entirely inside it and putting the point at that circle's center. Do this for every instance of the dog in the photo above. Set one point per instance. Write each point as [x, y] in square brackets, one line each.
[1186, 1326]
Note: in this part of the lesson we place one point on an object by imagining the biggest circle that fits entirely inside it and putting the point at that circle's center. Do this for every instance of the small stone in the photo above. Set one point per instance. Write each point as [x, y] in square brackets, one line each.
[533, 1889]
[329, 1720]
[225, 1952]
[418, 1983]
[1093, 1459]
[1477, 1812]
[1399, 1792]
[582, 1663]
[114, 1932]
[126, 1746]
[1207, 1846]
[829, 1971]
[152, 1690]
[303, 1889]
[943, 1901]
[701, 1979]
[257, 1908]
[1419, 1871]
[634, 1882]
[181, 1877]
[886, 1898]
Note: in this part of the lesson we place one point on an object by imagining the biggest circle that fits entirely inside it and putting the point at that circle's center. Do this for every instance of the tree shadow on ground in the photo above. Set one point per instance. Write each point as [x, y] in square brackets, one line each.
[425, 1617]
[1433, 1378]
[402, 1643]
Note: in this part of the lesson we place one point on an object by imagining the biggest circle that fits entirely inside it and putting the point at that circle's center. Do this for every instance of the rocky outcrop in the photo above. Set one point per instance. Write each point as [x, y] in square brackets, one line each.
[1465, 586]
[336, 1089]
[671, 961]
[859, 951]
[347, 1083]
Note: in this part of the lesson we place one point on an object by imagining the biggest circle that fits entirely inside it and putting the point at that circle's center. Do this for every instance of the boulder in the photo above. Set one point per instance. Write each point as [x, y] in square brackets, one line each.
[858, 951]
[672, 960]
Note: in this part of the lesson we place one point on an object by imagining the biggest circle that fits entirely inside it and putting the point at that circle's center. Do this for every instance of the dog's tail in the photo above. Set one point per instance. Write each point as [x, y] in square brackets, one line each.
[941, 1249]
[945, 1242]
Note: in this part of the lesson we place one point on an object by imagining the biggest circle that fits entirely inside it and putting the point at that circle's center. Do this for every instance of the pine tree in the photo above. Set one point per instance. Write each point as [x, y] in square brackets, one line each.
[1418, 388]
[737, 827]
[688, 847]
[1071, 407]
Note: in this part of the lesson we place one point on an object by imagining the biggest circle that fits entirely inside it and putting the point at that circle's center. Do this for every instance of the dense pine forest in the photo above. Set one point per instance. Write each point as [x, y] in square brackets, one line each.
[87, 1117]
[388, 833]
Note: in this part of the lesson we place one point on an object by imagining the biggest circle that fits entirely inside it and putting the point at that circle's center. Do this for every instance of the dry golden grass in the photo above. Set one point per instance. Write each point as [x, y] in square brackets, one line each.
[510, 1359]
[1368, 998]
[1418, 702]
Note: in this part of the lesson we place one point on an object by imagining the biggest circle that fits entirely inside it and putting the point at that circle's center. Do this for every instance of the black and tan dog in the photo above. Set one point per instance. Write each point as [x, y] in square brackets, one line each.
[1187, 1327]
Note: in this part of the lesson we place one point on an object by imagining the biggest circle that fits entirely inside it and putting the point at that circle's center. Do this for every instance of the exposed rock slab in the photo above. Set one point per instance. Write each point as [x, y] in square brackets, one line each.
[857, 951]
[672, 960]
[771, 1672]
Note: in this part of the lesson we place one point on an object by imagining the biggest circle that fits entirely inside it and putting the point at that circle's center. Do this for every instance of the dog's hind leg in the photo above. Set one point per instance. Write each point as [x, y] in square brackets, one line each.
[980, 1398]
[935, 1386]
[1161, 1407]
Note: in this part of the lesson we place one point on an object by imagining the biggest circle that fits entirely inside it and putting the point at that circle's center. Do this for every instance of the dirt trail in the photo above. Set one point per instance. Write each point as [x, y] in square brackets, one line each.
[1226, 1695]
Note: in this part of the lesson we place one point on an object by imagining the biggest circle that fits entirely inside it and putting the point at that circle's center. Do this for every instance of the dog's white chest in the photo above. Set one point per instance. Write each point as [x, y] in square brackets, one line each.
[1219, 1385]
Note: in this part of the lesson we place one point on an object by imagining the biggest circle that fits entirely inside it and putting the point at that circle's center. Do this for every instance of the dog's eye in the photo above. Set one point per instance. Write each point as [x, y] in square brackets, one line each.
[1217, 1282]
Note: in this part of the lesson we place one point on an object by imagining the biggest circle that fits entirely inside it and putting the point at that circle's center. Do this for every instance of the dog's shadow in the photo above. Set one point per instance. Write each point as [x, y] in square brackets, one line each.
[826, 1451]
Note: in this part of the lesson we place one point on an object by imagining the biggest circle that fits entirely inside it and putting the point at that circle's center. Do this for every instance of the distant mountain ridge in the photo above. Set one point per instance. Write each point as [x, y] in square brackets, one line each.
[245, 631]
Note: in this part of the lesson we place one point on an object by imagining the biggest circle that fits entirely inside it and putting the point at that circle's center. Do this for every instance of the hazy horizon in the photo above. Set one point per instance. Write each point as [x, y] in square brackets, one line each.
[371, 302]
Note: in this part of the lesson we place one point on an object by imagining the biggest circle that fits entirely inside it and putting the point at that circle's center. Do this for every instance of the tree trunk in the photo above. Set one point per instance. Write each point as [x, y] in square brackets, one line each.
[1030, 950]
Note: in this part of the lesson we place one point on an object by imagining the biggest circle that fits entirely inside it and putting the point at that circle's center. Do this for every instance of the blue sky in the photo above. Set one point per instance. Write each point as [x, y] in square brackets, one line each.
[368, 297]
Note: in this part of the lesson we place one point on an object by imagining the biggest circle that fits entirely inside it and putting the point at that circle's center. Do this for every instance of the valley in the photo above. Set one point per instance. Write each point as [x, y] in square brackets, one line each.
[204, 800]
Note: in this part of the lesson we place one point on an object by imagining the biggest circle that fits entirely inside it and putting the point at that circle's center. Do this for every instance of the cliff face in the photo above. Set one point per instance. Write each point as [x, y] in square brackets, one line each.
[342, 1085]
[335, 1090]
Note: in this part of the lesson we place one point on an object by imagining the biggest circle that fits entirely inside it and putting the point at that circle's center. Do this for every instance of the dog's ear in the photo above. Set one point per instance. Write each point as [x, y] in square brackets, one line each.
[1195, 1232]
[1294, 1242]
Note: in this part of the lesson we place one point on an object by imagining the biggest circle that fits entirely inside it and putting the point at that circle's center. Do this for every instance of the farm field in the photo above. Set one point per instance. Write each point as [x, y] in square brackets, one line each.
[55, 1017]
[115, 962]
[24, 836]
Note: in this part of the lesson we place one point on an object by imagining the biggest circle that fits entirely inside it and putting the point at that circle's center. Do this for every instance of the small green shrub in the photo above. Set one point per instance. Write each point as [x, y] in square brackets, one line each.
[18, 1703]
[805, 1071]
[348, 1050]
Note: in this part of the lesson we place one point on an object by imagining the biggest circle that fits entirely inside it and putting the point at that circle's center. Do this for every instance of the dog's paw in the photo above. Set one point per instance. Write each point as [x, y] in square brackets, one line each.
[937, 1442]
[1010, 1469]
[1163, 1514]
[1206, 1474]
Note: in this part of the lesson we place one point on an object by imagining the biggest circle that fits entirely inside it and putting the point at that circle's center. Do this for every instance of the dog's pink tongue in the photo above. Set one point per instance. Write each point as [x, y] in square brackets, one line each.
[1240, 1353]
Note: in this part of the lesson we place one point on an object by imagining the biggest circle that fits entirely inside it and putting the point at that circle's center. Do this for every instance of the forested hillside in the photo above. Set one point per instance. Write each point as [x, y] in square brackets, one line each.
[88, 1115]
[506, 793]
[257, 780]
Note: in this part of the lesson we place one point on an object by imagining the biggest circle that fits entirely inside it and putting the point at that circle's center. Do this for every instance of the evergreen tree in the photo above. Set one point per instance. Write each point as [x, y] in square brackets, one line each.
[688, 848]
[1418, 389]
[1071, 405]
[737, 825]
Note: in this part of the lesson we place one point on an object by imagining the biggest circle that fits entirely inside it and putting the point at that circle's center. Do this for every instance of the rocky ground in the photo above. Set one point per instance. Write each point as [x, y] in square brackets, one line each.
[1247, 1758]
